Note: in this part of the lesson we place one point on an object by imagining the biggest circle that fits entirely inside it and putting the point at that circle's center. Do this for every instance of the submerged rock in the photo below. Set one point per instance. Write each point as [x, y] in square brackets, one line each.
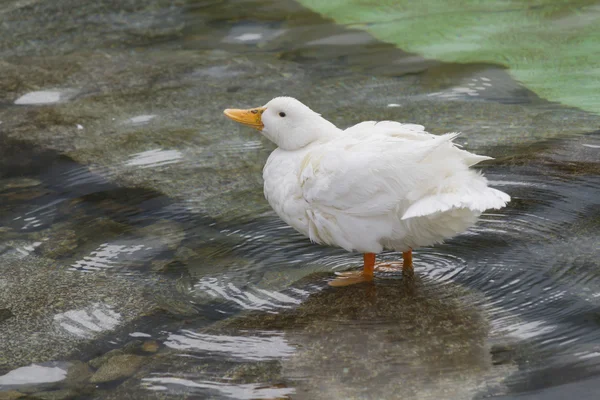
[78, 374]
[62, 394]
[133, 347]
[150, 346]
[11, 395]
[396, 339]
[5, 314]
[415, 340]
[100, 361]
[170, 233]
[57, 310]
[118, 367]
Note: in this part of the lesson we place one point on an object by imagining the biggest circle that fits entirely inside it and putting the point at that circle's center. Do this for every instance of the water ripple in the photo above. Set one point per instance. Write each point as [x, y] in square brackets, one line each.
[256, 348]
[248, 391]
[250, 298]
[154, 158]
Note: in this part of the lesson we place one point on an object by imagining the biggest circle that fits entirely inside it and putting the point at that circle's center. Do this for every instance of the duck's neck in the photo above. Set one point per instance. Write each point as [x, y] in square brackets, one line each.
[327, 130]
[319, 130]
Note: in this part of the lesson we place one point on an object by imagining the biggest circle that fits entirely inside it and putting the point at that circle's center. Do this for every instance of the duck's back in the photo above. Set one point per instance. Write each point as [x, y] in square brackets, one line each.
[378, 186]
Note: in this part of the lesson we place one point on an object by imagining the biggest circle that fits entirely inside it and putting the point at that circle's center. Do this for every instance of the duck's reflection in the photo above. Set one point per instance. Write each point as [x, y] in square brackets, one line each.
[391, 339]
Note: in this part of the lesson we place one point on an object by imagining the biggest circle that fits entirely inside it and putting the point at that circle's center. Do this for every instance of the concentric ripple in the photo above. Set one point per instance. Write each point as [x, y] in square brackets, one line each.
[534, 266]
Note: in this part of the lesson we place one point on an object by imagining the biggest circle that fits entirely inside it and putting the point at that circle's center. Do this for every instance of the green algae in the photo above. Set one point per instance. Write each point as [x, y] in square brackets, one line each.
[551, 46]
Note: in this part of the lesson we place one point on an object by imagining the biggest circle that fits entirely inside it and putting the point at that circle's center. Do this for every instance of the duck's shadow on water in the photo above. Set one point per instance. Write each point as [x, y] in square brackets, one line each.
[388, 339]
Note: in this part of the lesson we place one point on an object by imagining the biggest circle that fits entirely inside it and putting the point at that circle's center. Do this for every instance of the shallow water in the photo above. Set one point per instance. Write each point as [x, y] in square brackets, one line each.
[140, 259]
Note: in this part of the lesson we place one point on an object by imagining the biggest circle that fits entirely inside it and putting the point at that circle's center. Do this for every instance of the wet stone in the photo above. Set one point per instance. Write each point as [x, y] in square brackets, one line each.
[346, 340]
[503, 354]
[132, 346]
[60, 244]
[118, 367]
[184, 253]
[78, 374]
[150, 346]
[175, 305]
[50, 302]
[62, 394]
[77, 232]
[100, 361]
[169, 232]
[20, 189]
[163, 265]
[5, 314]
[11, 395]
[22, 195]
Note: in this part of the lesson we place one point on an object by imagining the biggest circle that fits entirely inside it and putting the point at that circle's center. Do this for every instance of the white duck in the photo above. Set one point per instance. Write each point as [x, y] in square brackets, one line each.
[374, 186]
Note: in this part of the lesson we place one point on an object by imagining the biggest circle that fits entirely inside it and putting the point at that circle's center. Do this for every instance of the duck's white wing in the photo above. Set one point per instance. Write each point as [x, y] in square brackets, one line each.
[366, 177]
[369, 178]
[412, 132]
[389, 128]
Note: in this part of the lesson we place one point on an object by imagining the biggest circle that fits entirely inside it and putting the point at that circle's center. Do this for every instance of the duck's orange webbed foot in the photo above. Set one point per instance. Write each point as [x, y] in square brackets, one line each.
[350, 278]
[354, 277]
[366, 275]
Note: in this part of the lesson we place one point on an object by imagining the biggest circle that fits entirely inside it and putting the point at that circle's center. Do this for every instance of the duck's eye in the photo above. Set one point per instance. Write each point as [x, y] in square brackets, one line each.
[282, 114]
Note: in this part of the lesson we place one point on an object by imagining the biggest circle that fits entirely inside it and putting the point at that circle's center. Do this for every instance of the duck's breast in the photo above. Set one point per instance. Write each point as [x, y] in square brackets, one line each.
[282, 188]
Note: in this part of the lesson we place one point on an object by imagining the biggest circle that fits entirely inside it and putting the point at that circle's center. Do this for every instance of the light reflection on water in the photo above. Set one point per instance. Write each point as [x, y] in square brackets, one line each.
[154, 158]
[88, 322]
[33, 374]
[252, 298]
[243, 392]
[254, 348]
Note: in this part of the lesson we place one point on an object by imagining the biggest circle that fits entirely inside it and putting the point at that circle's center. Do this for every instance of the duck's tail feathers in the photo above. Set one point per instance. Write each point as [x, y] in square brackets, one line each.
[476, 201]
[470, 158]
[424, 149]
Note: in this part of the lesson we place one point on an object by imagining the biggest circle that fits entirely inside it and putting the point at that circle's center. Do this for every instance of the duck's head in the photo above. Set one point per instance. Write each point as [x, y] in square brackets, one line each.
[286, 122]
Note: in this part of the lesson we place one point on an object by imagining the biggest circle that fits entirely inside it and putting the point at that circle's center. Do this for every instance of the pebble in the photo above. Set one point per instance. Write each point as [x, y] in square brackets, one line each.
[118, 367]
[150, 346]
[5, 314]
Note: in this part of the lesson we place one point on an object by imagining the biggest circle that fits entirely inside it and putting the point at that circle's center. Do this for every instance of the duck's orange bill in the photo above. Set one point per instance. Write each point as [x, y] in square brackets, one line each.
[251, 117]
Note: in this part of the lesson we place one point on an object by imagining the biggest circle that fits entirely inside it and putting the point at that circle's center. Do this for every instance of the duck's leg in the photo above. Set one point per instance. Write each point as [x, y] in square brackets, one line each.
[406, 266]
[353, 277]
